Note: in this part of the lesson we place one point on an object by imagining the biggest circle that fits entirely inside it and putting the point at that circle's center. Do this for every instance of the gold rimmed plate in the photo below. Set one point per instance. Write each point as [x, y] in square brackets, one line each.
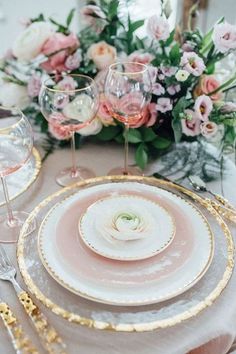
[19, 181]
[152, 280]
[138, 318]
[126, 227]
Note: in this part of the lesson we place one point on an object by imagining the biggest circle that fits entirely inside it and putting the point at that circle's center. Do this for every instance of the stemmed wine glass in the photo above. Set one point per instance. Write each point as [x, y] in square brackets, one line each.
[70, 103]
[16, 143]
[128, 92]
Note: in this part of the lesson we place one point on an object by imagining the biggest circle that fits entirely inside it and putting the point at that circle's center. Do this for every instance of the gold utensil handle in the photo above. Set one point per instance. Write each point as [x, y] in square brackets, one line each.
[20, 341]
[227, 213]
[224, 202]
[50, 338]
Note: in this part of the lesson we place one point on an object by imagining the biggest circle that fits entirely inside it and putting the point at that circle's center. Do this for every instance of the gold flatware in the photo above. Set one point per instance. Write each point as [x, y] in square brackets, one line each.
[50, 339]
[21, 343]
[226, 212]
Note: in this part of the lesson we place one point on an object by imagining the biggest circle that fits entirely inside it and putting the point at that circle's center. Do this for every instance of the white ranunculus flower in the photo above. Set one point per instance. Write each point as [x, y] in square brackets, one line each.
[12, 94]
[182, 75]
[92, 129]
[29, 43]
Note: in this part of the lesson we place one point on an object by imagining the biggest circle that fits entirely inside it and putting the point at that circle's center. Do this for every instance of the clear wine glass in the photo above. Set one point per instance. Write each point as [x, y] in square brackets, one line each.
[128, 92]
[70, 103]
[16, 143]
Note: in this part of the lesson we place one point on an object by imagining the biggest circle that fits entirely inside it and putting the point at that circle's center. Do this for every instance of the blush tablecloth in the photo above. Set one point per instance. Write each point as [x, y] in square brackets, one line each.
[211, 332]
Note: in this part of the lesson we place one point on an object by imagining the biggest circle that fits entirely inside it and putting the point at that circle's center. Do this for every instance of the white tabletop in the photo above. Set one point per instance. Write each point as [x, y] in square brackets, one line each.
[219, 319]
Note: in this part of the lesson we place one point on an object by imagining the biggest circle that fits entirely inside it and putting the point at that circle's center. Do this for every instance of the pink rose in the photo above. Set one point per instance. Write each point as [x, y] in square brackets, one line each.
[139, 57]
[207, 85]
[203, 107]
[164, 104]
[208, 129]
[224, 37]
[158, 28]
[102, 54]
[148, 117]
[34, 85]
[192, 63]
[59, 131]
[62, 44]
[67, 84]
[191, 124]
[95, 17]
[104, 113]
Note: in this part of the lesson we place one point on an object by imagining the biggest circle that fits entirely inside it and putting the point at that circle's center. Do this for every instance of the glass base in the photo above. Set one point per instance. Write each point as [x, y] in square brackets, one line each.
[9, 231]
[68, 176]
[132, 171]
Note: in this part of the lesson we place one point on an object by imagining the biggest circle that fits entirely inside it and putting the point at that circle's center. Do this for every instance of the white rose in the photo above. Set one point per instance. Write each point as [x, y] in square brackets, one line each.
[81, 108]
[92, 129]
[102, 54]
[29, 43]
[14, 95]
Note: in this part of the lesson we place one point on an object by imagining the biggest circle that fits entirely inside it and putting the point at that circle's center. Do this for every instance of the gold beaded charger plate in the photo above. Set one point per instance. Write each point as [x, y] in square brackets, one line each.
[19, 181]
[122, 318]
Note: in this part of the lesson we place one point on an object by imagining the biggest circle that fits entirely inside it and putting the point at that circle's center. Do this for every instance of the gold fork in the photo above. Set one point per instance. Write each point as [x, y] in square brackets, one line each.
[50, 339]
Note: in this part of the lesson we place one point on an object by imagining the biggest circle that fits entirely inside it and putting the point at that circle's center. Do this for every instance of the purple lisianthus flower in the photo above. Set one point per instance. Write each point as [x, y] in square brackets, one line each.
[164, 104]
[192, 63]
[158, 89]
[168, 70]
[190, 124]
[173, 89]
[203, 107]
[224, 37]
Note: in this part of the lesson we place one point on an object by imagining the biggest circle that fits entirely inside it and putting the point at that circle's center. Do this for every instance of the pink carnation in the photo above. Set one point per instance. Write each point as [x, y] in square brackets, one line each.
[192, 63]
[203, 107]
[224, 37]
[158, 89]
[73, 61]
[191, 124]
[139, 57]
[62, 44]
[67, 84]
[168, 70]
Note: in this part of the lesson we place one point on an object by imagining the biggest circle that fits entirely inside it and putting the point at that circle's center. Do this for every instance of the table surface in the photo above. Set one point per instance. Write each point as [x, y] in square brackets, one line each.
[218, 320]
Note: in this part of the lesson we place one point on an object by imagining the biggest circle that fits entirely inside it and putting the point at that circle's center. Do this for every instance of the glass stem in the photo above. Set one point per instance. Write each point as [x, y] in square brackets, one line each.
[8, 205]
[74, 170]
[126, 134]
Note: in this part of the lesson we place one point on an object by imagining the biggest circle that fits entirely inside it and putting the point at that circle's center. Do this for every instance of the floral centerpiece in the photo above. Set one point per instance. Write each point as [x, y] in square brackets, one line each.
[188, 101]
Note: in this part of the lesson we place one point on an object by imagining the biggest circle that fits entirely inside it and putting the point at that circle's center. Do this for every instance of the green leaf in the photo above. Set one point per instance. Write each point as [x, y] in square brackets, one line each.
[180, 106]
[113, 9]
[141, 156]
[108, 133]
[139, 43]
[147, 134]
[170, 39]
[161, 143]
[210, 68]
[175, 54]
[135, 25]
[134, 136]
[70, 17]
[176, 126]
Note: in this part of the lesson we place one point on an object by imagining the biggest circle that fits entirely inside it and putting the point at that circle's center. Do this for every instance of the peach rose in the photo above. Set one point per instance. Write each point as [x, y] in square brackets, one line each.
[64, 45]
[102, 54]
[104, 113]
[148, 117]
[206, 85]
